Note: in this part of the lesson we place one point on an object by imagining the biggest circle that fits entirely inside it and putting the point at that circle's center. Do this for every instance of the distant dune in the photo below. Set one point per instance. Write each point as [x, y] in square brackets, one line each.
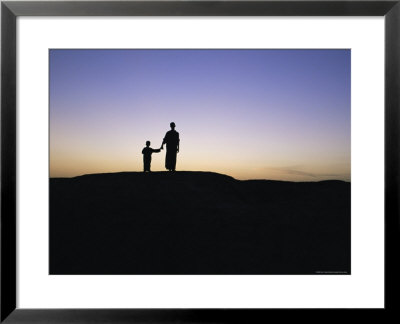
[197, 223]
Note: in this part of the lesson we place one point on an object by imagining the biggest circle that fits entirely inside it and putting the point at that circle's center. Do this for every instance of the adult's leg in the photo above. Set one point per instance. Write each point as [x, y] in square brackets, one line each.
[173, 161]
[168, 164]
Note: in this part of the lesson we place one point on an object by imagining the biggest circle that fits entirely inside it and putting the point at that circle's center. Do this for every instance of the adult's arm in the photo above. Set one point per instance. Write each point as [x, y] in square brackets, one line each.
[164, 141]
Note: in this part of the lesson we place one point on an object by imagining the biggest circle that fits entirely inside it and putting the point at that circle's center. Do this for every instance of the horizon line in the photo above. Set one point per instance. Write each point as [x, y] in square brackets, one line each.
[169, 172]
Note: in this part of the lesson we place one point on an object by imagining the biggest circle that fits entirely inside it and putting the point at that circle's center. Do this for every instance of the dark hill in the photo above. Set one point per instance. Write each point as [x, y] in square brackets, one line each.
[197, 223]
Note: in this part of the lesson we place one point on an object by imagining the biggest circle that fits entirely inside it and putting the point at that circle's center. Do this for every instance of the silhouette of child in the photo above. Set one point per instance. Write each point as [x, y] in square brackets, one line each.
[147, 151]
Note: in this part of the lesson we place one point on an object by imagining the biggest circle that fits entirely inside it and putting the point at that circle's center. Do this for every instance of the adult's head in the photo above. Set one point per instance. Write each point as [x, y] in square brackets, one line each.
[172, 125]
[147, 143]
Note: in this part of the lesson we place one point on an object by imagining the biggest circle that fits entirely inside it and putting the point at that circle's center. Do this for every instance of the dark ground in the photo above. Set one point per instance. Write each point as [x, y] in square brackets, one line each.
[197, 223]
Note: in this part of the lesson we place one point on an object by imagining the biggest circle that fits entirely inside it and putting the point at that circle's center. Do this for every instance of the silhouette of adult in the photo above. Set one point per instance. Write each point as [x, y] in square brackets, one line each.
[171, 139]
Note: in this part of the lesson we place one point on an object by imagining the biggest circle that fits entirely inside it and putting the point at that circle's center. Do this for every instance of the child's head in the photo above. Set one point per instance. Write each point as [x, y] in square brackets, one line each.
[147, 143]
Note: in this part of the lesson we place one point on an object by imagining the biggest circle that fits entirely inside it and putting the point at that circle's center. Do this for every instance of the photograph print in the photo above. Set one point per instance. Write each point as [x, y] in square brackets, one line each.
[200, 161]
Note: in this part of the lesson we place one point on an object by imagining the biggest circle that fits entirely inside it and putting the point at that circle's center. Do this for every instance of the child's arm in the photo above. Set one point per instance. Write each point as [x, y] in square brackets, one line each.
[156, 150]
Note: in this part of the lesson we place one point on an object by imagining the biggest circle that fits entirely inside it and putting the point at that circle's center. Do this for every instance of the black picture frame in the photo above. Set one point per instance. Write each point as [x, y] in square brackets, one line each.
[10, 10]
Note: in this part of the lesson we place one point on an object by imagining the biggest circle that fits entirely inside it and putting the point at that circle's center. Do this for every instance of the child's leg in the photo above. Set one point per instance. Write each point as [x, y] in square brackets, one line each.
[146, 165]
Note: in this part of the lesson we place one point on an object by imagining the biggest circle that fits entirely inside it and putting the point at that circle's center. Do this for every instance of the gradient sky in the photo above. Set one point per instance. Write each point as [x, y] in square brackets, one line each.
[251, 114]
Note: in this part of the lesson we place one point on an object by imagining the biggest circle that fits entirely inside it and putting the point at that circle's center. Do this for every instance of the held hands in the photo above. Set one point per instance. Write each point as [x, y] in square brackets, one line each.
[162, 147]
